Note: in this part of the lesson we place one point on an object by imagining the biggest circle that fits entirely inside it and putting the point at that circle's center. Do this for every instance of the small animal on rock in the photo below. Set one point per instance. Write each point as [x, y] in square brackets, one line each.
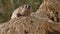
[21, 11]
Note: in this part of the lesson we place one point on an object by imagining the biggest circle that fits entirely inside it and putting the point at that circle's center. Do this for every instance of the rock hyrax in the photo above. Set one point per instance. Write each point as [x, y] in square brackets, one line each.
[21, 11]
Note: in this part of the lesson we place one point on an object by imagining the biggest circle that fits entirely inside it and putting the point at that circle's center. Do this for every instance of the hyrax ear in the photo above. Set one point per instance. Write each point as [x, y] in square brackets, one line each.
[28, 6]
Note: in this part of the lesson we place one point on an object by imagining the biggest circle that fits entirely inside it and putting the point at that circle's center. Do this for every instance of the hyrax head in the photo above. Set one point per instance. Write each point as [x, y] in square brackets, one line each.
[26, 6]
[21, 11]
[24, 10]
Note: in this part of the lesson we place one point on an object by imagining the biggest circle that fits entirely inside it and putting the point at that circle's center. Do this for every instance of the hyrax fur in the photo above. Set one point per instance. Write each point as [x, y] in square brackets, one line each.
[21, 11]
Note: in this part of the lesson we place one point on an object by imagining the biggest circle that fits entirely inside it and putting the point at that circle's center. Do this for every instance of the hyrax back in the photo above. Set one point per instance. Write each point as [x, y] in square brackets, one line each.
[21, 11]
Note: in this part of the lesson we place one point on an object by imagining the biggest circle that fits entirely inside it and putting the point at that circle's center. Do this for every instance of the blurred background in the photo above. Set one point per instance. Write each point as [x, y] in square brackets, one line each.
[8, 6]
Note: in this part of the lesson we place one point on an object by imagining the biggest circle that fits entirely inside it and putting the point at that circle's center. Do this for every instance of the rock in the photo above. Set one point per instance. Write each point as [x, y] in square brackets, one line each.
[22, 25]
[49, 9]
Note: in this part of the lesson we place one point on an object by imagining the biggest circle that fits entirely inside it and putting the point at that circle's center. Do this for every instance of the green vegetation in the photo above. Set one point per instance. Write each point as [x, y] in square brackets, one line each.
[8, 6]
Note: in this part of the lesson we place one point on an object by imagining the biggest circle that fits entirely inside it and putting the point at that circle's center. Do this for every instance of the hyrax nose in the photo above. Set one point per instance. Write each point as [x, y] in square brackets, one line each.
[27, 6]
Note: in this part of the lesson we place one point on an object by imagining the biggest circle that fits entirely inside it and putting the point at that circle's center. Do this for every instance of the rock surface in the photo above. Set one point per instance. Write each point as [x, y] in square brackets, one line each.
[49, 9]
[44, 21]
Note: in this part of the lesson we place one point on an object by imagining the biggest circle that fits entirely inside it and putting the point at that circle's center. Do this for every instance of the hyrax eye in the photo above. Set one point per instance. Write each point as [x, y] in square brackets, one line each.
[28, 6]
[25, 6]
